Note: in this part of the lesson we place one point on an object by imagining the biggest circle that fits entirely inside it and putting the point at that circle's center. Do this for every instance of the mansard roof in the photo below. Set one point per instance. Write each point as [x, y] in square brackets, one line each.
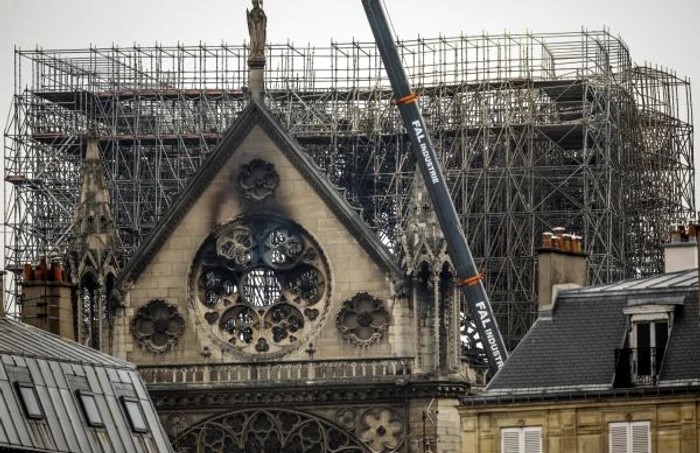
[56, 371]
[18, 339]
[257, 114]
[573, 351]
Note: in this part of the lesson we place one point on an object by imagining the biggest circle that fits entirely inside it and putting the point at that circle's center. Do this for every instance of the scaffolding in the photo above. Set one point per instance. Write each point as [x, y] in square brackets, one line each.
[534, 131]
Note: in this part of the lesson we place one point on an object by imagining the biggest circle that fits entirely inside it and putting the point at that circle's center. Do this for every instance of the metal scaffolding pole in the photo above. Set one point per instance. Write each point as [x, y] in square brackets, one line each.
[534, 131]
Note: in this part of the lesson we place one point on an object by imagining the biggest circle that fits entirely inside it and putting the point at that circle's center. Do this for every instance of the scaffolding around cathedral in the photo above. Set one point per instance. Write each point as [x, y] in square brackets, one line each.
[535, 131]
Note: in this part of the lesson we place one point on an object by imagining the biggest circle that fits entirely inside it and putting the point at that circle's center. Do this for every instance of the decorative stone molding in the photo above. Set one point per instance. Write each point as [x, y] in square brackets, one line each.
[258, 180]
[157, 326]
[171, 397]
[363, 319]
[382, 429]
[176, 424]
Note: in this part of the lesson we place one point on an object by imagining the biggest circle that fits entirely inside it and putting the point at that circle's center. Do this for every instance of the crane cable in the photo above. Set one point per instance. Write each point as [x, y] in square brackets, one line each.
[391, 23]
[413, 96]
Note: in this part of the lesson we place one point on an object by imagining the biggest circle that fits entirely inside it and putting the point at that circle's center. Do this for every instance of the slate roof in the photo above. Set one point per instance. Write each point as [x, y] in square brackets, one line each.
[682, 361]
[58, 370]
[19, 339]
[670, 282]
[254, 114]
[574, 349]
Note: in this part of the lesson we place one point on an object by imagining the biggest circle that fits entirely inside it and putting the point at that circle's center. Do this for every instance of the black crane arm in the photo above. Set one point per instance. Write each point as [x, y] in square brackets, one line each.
[468, 277]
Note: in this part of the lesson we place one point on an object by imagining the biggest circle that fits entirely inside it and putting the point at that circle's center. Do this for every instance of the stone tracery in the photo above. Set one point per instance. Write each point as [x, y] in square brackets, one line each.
[256, 431]
[262, 283]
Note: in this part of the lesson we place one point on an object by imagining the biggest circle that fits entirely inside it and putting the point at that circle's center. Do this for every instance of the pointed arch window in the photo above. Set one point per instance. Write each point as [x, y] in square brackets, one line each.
[90, 312]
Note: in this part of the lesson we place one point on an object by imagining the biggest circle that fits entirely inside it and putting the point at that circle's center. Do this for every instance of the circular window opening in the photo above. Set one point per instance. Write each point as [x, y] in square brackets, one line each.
[260, 287]
[240, 322]
[216, 287]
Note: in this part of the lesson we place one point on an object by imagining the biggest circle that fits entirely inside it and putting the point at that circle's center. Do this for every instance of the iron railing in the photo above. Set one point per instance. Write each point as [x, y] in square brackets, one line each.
[637, 366]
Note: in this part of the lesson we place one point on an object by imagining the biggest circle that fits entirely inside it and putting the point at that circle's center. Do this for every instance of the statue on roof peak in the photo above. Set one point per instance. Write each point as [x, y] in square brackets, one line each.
[257, 27]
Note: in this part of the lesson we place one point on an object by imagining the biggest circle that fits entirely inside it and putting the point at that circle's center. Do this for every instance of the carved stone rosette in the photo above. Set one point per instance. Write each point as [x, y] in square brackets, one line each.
[382, 429]
[176, 424]
[157, 326]
[258, 180]
[363, 319]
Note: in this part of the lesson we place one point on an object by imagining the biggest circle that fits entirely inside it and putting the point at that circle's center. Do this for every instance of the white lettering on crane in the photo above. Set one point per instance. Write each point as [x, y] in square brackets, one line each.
[420, 136]
[485, 318]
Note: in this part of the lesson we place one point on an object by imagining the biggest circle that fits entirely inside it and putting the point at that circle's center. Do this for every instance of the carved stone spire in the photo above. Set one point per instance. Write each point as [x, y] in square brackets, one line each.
[422, 240]
[425, 259]
[257, 27]
[94, 224]
[93, 256]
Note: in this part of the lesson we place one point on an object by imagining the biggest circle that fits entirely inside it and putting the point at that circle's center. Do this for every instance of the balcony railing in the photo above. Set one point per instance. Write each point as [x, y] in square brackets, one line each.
[637, 366]
[271, 372]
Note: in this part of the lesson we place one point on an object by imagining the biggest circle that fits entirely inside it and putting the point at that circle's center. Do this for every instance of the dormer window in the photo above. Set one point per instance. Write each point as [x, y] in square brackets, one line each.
[650, 338]
[639, 363]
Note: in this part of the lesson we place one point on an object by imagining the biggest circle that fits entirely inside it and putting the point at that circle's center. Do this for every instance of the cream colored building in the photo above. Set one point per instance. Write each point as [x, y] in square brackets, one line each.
[611, 369]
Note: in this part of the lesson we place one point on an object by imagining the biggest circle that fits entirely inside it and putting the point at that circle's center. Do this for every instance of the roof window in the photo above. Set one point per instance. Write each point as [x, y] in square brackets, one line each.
[90, 410]
[30, 401]
[134, 413]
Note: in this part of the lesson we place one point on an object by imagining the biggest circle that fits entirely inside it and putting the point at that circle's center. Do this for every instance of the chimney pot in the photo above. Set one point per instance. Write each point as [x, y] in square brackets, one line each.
[40, 272]
[547, 240]
[555, 243]
[566, 243]
[675, 234]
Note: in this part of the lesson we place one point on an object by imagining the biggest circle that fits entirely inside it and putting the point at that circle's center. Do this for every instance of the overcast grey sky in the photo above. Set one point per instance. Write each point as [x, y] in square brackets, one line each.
[662, 32]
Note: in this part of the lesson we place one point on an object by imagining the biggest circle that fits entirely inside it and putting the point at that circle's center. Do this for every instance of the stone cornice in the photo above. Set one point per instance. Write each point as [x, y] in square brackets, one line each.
[184, 397]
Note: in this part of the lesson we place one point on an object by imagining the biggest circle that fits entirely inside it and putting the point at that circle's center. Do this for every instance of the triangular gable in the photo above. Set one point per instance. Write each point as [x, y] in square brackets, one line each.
[257, 114]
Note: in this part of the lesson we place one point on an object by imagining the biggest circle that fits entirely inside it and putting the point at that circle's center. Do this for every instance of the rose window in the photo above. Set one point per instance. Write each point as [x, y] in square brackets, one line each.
[262, 285]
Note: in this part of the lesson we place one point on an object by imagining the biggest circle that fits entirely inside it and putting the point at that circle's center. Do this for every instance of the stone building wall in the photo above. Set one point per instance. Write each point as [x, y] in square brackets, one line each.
[352, 270]
[582, 427]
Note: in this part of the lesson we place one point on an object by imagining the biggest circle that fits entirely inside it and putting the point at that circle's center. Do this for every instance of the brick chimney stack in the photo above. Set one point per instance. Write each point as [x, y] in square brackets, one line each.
[47, 299]
[561, 264]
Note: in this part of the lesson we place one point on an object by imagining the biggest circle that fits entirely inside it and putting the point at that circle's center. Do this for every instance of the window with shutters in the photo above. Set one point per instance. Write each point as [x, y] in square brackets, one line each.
[521, 440]
[629, 437]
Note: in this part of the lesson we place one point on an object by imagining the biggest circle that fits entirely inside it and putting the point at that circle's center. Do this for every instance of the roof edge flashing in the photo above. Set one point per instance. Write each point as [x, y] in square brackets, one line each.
[546, 312]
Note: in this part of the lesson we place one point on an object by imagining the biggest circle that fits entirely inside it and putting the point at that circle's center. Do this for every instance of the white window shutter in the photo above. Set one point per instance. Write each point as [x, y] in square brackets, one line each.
[510, 440]
[532, 440]
[641, 442]
[619, 438]
[521, 440]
